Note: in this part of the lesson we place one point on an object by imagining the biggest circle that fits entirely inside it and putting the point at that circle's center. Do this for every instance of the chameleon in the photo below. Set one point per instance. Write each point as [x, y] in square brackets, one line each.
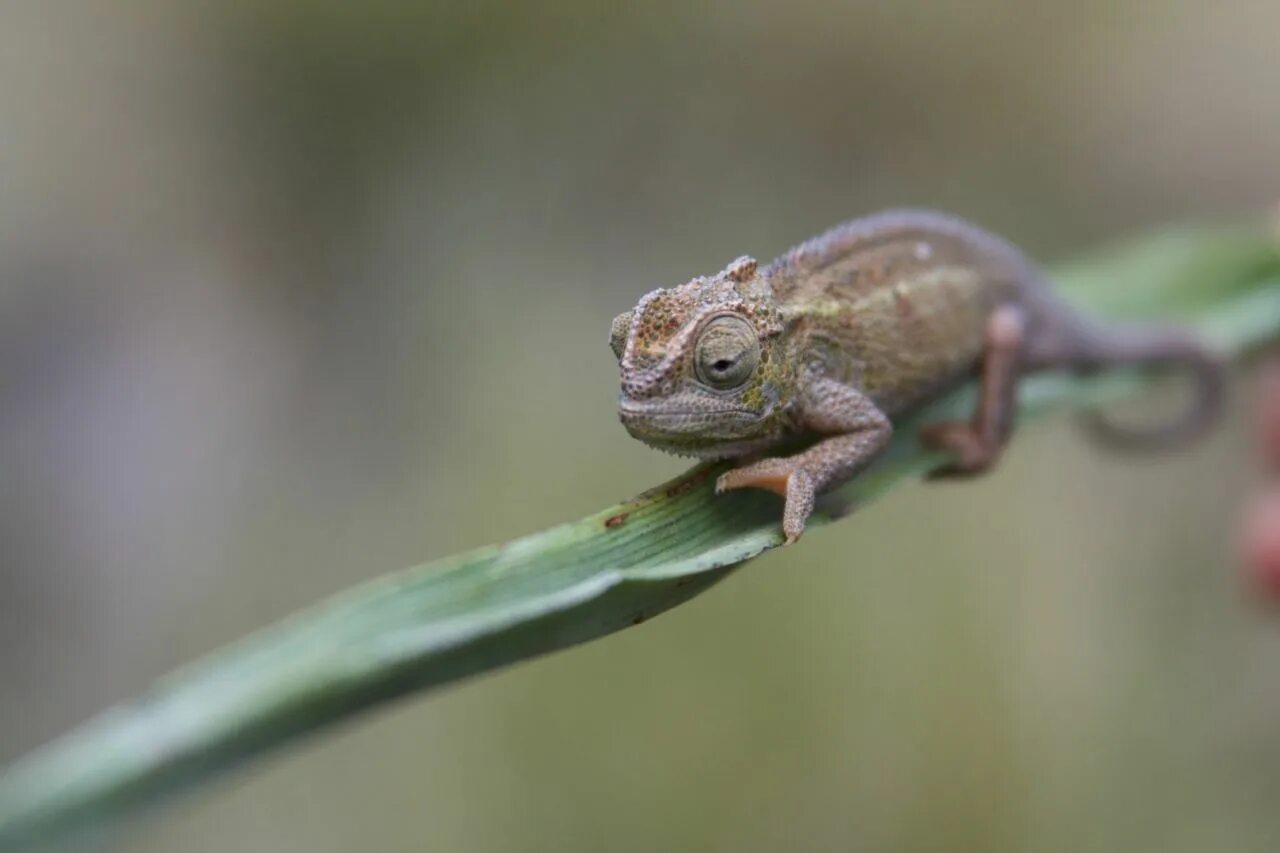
[856, 329]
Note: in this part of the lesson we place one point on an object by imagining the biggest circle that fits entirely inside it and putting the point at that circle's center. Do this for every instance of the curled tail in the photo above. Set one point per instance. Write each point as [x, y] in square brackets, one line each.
[1157, 349]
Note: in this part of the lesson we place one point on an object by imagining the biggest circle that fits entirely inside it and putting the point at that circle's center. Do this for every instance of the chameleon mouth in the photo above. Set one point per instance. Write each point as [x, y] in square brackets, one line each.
[659, 414]
[702, 433]
[689, 431]
[684, 413]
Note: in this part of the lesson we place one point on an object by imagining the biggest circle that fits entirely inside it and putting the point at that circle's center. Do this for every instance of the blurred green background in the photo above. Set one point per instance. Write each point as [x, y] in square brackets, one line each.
[293, 294]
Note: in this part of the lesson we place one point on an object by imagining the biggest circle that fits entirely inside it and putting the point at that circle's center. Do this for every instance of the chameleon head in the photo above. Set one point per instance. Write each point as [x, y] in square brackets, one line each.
[703, 371]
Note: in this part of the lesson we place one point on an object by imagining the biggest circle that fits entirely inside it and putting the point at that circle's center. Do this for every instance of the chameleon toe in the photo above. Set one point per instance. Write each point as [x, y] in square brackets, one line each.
[771, 477]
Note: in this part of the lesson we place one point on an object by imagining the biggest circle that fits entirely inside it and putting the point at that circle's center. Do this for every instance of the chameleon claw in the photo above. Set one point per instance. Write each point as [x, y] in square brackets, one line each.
[790, 537]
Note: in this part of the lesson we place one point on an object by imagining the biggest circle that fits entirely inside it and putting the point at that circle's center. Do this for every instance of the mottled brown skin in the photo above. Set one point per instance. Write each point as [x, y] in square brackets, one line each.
[851, 331]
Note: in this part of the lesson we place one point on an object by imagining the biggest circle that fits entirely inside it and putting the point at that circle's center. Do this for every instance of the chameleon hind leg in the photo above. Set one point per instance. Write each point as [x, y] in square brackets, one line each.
[975, 444]
[856, 431]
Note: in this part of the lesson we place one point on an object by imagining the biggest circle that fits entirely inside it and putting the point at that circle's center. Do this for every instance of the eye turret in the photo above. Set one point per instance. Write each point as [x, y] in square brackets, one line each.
[727, 352]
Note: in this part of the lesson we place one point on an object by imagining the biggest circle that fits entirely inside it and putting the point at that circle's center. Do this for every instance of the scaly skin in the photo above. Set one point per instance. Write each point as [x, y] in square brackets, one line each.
[851, 331]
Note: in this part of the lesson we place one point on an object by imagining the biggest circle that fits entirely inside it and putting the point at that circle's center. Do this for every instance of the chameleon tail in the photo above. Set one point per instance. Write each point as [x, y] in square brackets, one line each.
[1157, 349]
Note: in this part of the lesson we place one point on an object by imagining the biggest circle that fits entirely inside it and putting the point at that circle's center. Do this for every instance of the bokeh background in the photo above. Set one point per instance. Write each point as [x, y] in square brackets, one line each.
[293, 294]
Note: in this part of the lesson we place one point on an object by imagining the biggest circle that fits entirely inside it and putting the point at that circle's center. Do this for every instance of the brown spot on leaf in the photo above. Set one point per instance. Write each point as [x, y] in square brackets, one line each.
[615, 520]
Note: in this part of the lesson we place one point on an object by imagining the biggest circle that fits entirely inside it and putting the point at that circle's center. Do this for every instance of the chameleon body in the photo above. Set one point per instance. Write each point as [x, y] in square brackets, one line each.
[855, 329]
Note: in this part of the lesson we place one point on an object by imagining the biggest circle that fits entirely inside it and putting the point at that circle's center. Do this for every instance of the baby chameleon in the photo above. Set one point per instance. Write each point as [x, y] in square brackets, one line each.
[855, 329]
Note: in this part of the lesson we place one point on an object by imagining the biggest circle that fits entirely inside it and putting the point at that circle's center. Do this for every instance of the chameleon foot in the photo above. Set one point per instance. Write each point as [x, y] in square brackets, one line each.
[975, 445]
[970, 454]
[780, 476]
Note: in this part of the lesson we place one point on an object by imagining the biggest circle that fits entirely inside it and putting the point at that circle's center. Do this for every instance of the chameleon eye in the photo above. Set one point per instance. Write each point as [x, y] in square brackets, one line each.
[727, 352]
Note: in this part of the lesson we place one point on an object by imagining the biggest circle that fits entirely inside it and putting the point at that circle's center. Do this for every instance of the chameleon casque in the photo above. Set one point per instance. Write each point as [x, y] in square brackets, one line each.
[855, 329]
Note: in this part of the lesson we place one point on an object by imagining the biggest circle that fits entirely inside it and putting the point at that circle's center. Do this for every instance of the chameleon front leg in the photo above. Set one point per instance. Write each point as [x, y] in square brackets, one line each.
[858, 432]
[976, 444]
